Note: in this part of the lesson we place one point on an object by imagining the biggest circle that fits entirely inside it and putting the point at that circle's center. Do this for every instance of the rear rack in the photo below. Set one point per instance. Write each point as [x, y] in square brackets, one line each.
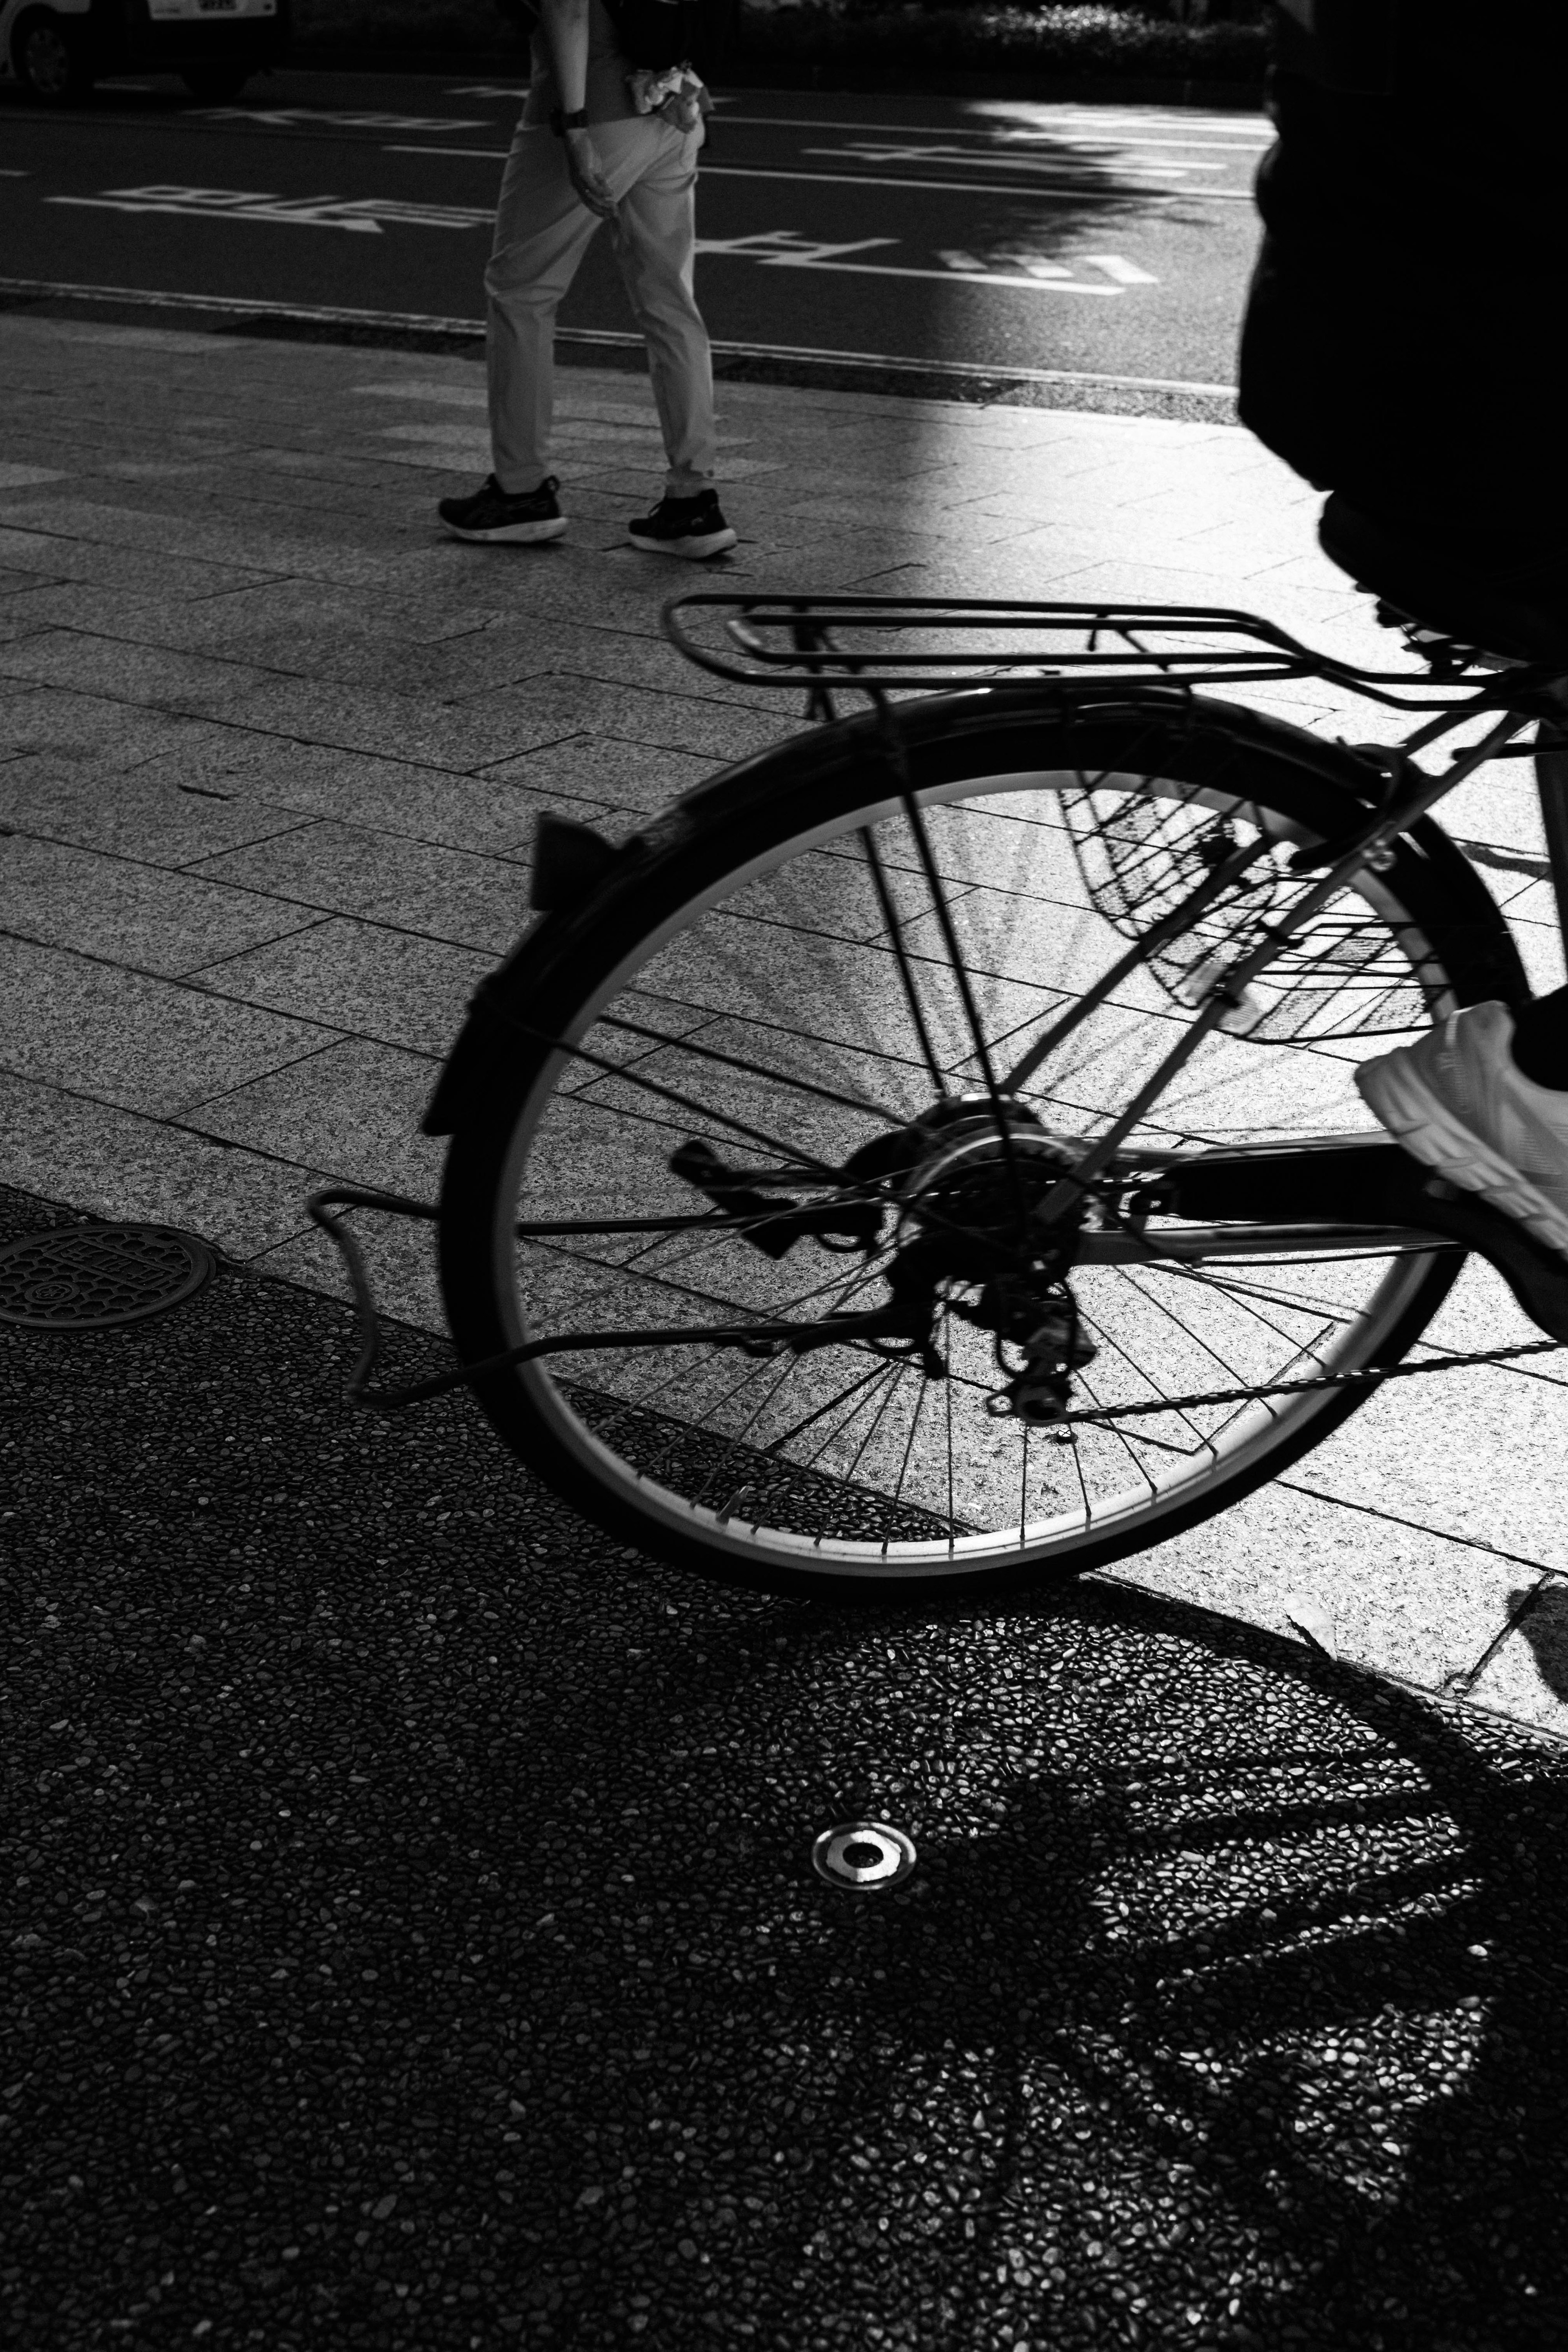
[879, 643]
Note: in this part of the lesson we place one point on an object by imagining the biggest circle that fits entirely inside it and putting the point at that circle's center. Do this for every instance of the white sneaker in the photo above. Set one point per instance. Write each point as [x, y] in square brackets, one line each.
[1458, 1102]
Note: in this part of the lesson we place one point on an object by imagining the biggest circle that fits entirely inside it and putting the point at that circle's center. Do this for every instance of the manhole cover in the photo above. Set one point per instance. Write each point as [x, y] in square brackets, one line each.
[865, 1855]
[87, 1277]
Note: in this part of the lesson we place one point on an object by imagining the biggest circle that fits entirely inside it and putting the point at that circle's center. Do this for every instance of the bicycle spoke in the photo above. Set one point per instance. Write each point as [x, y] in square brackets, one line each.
[1023, 939]
[894, 929]
[774, 1076]
[629, 1073]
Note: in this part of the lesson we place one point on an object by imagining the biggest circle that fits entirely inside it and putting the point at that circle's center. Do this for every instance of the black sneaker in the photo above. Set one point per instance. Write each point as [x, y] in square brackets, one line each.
[690, 527]
[519, 517]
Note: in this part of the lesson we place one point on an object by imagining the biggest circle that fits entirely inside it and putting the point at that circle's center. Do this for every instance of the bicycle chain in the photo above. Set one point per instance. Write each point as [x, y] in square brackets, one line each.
[1304, 1388]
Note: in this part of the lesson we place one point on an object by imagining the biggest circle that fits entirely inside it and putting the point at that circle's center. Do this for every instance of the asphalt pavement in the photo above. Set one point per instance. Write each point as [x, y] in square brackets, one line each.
[1000, 234]
[413, 1937]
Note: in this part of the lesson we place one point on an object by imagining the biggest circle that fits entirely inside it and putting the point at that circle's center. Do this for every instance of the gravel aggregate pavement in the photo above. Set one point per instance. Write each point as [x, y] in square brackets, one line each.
[413, 1939]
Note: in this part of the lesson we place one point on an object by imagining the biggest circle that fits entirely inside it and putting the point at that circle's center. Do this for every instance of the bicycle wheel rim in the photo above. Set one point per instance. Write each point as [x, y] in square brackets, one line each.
[1035, 1542]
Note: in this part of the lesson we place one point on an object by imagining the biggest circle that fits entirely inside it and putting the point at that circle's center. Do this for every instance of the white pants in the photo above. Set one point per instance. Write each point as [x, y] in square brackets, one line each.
[542, 231]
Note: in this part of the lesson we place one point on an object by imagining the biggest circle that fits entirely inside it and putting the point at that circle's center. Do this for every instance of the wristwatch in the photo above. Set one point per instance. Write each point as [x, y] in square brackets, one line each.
[577, 121]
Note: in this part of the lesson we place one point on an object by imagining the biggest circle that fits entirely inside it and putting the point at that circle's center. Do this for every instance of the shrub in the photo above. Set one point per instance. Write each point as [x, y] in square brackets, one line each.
[981, 36]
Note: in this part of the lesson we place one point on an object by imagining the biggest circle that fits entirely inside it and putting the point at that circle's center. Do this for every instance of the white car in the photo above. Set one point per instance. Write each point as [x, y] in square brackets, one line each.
[57, 49]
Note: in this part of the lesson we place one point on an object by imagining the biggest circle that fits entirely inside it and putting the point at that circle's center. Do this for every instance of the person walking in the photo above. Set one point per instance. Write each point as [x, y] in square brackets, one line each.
[605, 135]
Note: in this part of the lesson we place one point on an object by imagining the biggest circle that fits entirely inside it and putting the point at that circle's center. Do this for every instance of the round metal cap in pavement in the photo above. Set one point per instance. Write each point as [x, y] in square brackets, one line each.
[866, 1856]
[90, 1277]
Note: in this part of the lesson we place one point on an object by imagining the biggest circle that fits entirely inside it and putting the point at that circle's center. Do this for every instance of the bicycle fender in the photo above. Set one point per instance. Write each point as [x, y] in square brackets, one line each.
[573, 867]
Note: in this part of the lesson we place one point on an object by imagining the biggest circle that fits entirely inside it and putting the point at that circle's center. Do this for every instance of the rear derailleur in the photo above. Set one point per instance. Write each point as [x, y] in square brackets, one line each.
[1041, 1343]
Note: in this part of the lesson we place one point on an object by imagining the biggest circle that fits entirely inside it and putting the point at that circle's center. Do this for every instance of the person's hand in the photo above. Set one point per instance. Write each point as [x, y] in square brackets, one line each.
[589, 174]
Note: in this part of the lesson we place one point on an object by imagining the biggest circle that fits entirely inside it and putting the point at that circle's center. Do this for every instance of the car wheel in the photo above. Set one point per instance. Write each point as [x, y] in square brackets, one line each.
[216, 85]
[49, 61]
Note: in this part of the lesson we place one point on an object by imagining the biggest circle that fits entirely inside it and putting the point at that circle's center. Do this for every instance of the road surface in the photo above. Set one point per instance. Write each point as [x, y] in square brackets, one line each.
[992, 233]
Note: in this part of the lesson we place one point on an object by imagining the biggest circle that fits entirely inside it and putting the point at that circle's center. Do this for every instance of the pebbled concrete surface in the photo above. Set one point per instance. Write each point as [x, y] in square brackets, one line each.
[412, 1939]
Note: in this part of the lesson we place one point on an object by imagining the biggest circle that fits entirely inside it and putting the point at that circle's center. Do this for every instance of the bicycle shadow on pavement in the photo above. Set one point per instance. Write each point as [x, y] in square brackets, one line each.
[415, 1936]
[1314, 2056]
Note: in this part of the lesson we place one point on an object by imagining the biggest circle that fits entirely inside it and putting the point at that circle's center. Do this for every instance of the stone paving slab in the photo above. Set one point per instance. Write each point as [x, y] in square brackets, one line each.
[271, 751]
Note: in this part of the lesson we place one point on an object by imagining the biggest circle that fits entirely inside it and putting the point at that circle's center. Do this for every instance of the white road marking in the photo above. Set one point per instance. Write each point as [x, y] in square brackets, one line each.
[282, 117]
[1043, 190]
[361, 216]
[1050, 192]
[786, 249]
[1108, 154]
[1140, 128]
[1124, 273]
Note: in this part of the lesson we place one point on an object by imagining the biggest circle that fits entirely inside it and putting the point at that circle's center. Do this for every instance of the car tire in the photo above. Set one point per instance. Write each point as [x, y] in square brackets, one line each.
[217, 85]
[50, 59]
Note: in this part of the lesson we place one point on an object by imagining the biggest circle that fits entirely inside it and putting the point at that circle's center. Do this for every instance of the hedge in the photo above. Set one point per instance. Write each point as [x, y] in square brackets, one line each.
[884, 41]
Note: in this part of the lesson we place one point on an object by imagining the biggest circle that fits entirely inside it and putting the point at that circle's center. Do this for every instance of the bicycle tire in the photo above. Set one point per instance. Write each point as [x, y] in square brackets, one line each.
[752, 822]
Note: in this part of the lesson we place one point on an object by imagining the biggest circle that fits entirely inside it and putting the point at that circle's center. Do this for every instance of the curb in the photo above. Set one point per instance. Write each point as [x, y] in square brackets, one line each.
[788, 364]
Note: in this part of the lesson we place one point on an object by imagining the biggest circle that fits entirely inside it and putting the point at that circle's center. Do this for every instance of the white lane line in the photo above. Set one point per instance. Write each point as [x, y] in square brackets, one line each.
[786, 249]
[1087, 124]
[284, 117]
[227, 306]
[1107, 155]
[1058, 189]
[1256, 128]
[1055, 192]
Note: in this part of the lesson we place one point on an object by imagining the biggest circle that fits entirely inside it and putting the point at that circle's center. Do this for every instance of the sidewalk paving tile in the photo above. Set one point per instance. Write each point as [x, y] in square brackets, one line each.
[134, 572]
[80, 663]
[146, 1044]
[589, 769]
[1527, 1678]
[352, 1108]
[1401, 1599]
[416, 886]
[138, 915]
[389, 985]
[92, 727]
[111, 1163]
[395, 726]
[487, 812]
[1402, 1455]
[136, 812]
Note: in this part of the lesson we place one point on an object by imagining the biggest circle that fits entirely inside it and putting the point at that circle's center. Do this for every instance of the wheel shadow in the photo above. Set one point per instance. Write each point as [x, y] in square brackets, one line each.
[1257, 2043]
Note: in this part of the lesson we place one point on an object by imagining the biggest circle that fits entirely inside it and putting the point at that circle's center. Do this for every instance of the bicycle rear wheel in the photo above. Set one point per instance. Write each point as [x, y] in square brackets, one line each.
[809, 959]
